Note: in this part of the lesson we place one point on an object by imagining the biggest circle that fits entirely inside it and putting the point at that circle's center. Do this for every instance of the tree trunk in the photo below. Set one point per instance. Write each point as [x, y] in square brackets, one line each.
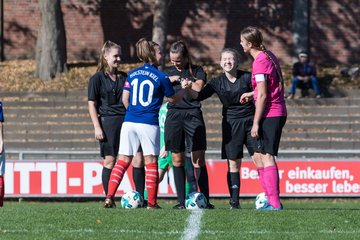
[51, 41]
[1, 30]
[160, 24]
[301, 26]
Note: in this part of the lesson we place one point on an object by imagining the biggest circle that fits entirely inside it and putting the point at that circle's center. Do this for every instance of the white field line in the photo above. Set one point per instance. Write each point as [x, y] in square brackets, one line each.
[206, 232]
[193, 227]
[135, 231]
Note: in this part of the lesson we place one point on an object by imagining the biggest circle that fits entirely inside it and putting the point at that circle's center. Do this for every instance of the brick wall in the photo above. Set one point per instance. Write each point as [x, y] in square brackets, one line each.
[207, 26]
[21, 23]
[335, 31]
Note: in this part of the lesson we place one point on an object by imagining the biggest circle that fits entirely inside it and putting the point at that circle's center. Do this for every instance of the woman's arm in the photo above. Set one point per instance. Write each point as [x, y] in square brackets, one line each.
[187, 85]
[177, 97]
[198, 85]
[201, 95]
[95, 120]
[259, 107]
[126, 98]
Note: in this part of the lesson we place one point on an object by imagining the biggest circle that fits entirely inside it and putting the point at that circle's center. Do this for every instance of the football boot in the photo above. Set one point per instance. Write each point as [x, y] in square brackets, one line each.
[109, 203]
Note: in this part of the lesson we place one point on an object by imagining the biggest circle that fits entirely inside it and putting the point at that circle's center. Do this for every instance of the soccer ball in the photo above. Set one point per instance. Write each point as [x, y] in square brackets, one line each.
[195, 200]
[131, 199]
[261, 200]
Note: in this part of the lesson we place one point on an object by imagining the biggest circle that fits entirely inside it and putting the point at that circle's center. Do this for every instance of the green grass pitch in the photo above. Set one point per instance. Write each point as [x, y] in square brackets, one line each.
[302, 219]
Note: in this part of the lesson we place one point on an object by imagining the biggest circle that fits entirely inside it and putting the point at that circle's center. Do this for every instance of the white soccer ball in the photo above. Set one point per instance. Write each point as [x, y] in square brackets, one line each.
[131, 199]
[261, 200]
[195, 200]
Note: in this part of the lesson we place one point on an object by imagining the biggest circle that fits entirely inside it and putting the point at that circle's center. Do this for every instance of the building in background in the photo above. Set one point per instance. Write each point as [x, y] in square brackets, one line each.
[328, 28]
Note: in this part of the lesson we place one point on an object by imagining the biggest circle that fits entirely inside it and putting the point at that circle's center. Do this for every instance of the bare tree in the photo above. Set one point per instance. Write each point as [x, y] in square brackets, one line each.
[160, 23]
[51, 41]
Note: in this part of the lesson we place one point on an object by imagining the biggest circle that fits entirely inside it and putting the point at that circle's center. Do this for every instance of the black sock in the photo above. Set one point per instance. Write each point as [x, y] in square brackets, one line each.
[203, 181]
[139, 179]
[235, 187]
[105, 177]
[190, 174]
[179, 177]
[228, 178]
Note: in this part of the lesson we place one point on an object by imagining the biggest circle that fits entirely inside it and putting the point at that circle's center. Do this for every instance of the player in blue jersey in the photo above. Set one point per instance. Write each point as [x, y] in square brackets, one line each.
[143, 95]
[2, 158]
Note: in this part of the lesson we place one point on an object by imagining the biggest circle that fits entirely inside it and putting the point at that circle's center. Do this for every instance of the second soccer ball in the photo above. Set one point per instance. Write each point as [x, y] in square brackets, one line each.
[261, 200]
[131, 199]
[195, 200]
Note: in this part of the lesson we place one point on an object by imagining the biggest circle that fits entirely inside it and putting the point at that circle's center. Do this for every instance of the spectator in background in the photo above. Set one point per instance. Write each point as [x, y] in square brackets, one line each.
[2, 158]
[304, 74]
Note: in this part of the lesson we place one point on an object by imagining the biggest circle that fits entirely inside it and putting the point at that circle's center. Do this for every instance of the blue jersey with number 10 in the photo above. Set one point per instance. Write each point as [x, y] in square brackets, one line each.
[147, 86]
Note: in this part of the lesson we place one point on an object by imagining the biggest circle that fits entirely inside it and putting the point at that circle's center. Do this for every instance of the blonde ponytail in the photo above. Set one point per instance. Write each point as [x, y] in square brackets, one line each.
[278, 72]
[145, 51]
[254, 36]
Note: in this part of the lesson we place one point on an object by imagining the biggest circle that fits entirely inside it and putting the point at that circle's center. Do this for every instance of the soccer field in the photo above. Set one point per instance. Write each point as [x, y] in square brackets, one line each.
[302, 219]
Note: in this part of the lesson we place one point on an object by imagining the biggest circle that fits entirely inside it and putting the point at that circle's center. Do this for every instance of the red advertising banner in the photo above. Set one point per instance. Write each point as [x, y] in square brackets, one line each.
[298, 177]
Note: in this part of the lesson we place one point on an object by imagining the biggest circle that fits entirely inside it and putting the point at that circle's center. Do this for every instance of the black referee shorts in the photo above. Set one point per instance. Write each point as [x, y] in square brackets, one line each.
[111, 126]
[235, 134]
[270, 134]
[185, 126]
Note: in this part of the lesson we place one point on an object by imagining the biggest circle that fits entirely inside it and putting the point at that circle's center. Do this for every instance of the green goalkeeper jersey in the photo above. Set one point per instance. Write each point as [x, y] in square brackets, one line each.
[164, 163]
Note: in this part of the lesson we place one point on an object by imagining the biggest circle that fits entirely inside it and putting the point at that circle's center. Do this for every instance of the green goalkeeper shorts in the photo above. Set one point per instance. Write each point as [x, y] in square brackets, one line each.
[165, 163]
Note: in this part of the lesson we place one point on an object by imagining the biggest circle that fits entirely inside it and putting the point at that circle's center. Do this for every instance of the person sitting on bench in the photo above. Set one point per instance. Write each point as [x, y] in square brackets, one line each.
[304, 77]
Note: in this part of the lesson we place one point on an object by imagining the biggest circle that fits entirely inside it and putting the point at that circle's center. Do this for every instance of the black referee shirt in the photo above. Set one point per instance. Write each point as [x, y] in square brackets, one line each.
[107, 93]
[229, 94]
[187, 102]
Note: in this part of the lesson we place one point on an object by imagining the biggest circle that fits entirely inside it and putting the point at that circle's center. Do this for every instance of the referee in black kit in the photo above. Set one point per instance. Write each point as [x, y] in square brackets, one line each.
[185, 124]
[107, 112]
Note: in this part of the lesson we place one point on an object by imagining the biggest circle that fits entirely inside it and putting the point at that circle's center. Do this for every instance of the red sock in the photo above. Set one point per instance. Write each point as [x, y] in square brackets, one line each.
[152, 182]
[271, 176]
[2, 190]
[262, 179]
[116, 177]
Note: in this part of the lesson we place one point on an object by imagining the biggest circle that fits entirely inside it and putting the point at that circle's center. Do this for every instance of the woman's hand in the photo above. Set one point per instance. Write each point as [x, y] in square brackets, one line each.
[246, 97]
[186, 83]
[99, 135]
[255, 131]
